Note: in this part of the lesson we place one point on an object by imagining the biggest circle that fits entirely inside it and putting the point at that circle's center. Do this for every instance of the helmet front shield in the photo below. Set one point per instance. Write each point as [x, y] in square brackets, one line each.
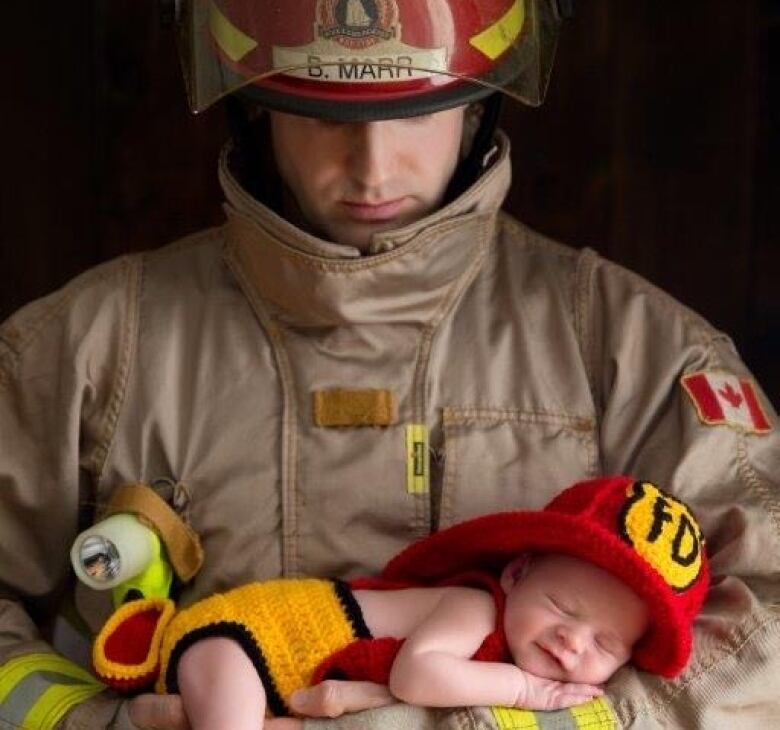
[366, 59]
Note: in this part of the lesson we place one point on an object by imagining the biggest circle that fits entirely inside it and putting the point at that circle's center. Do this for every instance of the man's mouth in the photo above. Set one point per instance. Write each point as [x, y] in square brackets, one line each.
[374, 212]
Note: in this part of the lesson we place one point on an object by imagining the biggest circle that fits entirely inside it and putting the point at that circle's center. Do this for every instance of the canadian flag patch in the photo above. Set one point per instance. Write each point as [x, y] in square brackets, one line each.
[721, 398]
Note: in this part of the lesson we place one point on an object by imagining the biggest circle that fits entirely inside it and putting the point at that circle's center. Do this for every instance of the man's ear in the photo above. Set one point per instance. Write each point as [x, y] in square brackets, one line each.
[515, 571]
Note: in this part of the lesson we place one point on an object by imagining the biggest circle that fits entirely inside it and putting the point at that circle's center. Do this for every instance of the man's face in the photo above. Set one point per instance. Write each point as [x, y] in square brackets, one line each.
[571, 621]
[352, 180]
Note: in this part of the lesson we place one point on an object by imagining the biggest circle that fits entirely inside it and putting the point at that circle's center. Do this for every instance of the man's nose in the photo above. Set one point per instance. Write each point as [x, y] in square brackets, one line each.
[373, 155]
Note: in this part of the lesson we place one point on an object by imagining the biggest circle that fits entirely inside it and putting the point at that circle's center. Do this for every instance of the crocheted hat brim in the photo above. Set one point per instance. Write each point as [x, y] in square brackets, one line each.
[491, 541]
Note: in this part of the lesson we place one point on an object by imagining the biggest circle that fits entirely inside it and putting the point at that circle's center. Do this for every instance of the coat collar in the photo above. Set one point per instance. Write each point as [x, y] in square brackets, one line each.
[307, 281]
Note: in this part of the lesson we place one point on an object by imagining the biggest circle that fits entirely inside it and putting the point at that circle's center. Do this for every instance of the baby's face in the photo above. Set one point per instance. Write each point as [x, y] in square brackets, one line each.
[571, 621]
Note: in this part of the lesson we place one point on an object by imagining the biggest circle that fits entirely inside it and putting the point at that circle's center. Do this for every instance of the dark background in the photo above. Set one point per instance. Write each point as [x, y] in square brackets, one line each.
[657, 146]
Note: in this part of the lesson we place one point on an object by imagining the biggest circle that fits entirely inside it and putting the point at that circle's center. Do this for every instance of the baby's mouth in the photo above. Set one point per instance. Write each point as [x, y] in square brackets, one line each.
[550, 654]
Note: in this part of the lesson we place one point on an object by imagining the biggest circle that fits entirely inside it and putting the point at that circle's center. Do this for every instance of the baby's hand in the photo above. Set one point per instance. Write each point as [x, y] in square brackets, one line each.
[549, 694]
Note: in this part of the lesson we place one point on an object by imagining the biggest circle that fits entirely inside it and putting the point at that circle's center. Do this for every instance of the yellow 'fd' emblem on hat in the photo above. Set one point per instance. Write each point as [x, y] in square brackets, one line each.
[664, 532]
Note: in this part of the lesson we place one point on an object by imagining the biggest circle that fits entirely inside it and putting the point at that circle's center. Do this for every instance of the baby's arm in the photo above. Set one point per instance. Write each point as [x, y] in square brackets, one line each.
[434, 669]
[220, 687]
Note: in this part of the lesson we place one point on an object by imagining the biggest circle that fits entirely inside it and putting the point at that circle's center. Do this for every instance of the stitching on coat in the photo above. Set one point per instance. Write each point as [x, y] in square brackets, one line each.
[134, 296]
[583, 283]
[485, 233]
[746, 472]
[755, 483]
[591, 445]
[450, 477]
[467, 415]
[345, 268]
[5, 371]
[289, 496]
[103, 272]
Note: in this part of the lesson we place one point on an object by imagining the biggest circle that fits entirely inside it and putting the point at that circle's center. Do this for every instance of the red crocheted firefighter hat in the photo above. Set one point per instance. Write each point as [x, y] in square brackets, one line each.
[639, 533]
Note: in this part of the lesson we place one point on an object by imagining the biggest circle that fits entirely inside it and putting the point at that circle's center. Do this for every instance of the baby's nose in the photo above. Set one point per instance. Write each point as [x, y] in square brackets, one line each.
[573, 637]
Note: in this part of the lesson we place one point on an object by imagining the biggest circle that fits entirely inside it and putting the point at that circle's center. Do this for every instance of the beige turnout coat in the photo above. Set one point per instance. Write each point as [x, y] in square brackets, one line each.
[531, 365]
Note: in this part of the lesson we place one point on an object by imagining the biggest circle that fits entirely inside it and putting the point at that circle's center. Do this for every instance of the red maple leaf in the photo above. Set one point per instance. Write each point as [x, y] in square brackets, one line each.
[731, 396]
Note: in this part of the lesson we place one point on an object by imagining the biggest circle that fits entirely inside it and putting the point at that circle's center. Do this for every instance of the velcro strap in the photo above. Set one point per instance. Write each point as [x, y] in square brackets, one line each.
[180, 540]
[341, 407]
[38, 690]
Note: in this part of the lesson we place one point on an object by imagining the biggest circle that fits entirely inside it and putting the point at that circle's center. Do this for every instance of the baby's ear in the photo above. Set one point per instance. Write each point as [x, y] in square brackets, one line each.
[514, 571]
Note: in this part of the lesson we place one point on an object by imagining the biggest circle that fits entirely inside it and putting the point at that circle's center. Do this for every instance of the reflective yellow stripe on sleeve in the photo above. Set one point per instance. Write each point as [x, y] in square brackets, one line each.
[37, 690]
[593, 715]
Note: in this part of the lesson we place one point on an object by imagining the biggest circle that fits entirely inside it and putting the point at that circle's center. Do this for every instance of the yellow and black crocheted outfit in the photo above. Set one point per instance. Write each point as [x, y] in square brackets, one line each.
[287, 627]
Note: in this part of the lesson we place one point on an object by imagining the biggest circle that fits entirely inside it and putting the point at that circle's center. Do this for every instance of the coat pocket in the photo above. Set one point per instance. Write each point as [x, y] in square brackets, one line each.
[501, 458]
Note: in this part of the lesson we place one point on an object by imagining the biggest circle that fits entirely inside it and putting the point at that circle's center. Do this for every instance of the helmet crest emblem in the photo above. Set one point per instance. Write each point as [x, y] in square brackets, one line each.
[357, 24]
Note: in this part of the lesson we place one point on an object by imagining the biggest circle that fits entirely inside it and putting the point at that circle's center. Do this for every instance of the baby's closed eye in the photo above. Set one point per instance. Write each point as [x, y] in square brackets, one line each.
[560, 606]
[612, 646]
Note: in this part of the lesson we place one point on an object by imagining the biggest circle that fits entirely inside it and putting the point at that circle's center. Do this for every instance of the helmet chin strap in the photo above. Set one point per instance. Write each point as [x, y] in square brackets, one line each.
[479, 156]
[251, 160]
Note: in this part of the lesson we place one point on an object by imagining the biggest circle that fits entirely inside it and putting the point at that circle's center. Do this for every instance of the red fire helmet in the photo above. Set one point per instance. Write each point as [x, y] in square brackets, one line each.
[366, 59]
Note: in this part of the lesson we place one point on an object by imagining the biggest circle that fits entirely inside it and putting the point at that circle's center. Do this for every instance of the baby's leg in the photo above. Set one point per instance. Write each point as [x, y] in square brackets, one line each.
[220, 687]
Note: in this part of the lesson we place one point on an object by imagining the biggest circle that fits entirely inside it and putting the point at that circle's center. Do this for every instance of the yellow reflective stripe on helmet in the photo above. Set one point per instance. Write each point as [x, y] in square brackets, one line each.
[37, 690]
[499, 37]
[593, 715]
[234, 43]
